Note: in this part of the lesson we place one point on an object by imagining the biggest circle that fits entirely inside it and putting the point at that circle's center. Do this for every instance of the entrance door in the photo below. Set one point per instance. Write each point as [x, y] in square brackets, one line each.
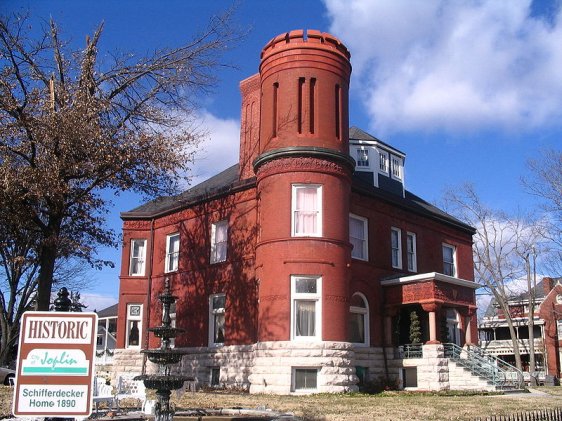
[453, 326]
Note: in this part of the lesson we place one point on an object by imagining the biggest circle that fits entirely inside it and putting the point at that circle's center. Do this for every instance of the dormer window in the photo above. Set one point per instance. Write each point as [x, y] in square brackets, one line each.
[362, 157]
[383, 162]
[396, 168]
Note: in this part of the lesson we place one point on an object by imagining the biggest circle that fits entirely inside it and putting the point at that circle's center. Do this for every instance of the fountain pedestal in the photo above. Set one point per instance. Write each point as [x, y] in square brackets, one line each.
[164, 382]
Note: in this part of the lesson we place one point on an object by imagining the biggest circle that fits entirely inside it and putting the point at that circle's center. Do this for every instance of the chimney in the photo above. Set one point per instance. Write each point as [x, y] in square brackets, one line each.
[547, 284]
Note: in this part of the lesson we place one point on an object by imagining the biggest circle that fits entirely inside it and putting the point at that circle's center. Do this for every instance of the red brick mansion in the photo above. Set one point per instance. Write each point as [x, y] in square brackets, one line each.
[298, 269]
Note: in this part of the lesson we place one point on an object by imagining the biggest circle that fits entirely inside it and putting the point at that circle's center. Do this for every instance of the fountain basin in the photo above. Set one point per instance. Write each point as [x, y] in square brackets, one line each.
[164, 356]
[163, 381]
[166, 332]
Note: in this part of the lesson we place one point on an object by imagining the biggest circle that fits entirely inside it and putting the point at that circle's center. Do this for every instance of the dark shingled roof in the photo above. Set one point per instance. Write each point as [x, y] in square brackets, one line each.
[110, 311]
[228, 182]
[355, 133]
[225, 182]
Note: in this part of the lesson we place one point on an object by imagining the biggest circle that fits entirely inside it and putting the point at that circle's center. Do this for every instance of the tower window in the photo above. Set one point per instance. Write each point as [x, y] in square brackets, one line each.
[306, 210]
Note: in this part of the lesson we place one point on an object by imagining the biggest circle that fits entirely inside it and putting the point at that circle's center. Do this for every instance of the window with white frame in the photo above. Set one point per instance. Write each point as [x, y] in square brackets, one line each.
[559, 329]
[134, 326]
[396, 245]
[217, 304]
[396, 168]
[306, 210]
[219, 241]
[449, 257]
[358, 237]
[138, 257]
[358, 320]
[306, 313]
[172, 252]
[304, 379]
[383, 162]
[411, 252]
[362, 157]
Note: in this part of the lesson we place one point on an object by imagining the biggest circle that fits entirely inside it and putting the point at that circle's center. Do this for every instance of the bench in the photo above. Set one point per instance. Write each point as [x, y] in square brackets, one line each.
[102, 393]
[127, 388]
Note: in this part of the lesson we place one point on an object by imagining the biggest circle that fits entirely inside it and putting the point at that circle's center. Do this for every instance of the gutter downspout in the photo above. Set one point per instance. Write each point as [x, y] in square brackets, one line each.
[149, 293]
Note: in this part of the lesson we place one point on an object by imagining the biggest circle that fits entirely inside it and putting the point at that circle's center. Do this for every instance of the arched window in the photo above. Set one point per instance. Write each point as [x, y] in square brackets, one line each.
[358, 329]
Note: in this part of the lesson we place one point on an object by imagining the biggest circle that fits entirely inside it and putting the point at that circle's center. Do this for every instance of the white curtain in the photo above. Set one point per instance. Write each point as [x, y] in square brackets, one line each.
[356, 234]
[306, 211]
[305, 318]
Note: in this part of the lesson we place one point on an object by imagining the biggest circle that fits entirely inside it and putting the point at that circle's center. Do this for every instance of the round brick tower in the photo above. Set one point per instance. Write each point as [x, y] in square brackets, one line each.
[303, 171]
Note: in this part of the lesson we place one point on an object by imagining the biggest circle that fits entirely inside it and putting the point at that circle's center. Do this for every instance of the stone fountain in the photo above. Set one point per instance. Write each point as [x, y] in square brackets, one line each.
[165, 356]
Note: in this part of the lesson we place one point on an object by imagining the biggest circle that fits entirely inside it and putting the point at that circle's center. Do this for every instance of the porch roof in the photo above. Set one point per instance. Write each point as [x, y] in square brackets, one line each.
[430, 276]
[431, 288]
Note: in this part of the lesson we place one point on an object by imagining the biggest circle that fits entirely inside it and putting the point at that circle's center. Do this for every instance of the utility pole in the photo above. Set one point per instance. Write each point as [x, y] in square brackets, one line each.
[531, 323]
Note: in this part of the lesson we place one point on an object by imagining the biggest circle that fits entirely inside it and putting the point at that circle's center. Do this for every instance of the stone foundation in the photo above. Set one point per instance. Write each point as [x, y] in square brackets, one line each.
[268, 367]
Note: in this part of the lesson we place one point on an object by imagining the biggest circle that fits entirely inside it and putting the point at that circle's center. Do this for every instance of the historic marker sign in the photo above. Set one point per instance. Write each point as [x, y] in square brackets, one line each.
[55, 369]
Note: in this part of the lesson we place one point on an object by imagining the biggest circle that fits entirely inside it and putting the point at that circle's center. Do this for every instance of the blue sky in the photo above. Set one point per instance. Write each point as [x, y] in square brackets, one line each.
[469, 90]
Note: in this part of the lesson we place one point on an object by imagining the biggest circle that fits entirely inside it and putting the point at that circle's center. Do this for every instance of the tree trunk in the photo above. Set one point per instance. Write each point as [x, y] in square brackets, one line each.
[47, 259]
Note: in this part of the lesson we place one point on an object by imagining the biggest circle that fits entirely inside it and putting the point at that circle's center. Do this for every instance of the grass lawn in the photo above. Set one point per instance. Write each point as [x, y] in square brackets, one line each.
[383, 406]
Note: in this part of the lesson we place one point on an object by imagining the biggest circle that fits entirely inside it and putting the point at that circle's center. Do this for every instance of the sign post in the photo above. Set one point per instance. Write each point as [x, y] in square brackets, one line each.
[55, 370]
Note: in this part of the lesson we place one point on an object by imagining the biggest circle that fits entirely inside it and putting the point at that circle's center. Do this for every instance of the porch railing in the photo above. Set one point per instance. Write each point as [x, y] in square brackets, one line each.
[410, 351]
[495, 370]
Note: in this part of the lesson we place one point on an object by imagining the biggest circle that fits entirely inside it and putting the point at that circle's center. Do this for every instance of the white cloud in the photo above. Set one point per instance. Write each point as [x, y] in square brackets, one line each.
[220, 149]
[96, 301]
[453, 65]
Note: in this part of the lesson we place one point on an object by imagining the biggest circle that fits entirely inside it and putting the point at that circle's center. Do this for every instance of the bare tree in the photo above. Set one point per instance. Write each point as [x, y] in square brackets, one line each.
[73, 126]
[545, 182]
[501, 248]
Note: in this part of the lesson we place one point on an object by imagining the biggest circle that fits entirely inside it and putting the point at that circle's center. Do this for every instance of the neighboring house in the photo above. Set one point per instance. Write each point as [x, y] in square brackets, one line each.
[297, 269]
[496, 340]
[107, 335]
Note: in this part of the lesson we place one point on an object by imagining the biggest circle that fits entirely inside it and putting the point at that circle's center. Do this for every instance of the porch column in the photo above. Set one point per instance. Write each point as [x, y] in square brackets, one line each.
[467, 314]
[432, 309]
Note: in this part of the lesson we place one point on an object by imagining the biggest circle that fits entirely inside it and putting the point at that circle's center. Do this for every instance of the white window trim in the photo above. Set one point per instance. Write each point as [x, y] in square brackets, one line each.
[143, 257]
[167, 267]
[294, 379]
[212, 313]
[400, 161]
[318, 230]
[365, 311]
[365, 251]
[398, 264]
[214, 250]
[130, 318]
[455, 267]
[369, 158]
[414, 252]
[387, 166]
[307, 297]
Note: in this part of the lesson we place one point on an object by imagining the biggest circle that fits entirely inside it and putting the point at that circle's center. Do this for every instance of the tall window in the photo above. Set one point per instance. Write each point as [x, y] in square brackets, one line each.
[362, 157]
[306, 292]
[358, 320]
[383, 162]
[411, 251]
[396, 244]
[217, 304]
[449, 267]
[219, 240]
[306, 210]
[138, 257]
[134, 326]
[396, 168]
[172, 252]
[358, 237]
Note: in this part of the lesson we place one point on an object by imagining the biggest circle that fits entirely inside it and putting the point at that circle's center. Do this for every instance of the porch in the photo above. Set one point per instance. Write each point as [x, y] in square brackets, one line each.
[444, 305]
